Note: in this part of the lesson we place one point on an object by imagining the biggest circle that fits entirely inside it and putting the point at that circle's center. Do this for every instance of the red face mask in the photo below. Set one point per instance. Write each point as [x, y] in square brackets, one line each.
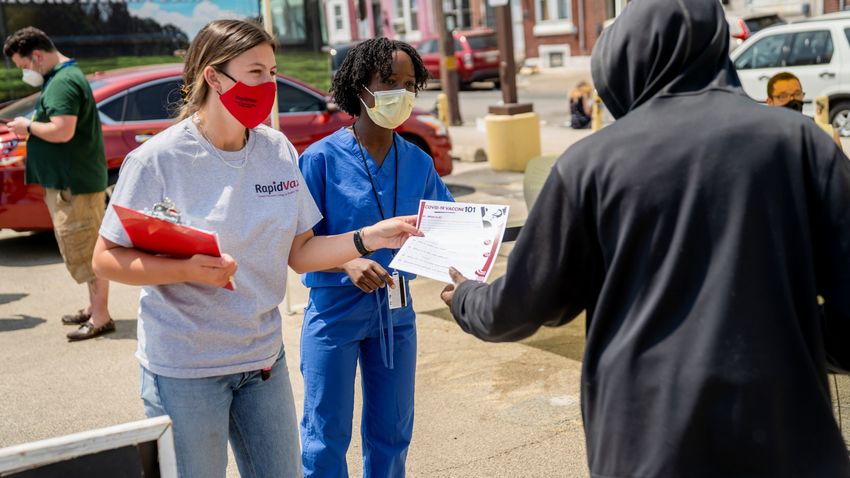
[250, 105]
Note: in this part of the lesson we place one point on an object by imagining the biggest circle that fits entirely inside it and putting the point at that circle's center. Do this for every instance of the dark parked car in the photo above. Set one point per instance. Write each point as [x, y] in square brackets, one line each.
[338, 54]
[136, 103]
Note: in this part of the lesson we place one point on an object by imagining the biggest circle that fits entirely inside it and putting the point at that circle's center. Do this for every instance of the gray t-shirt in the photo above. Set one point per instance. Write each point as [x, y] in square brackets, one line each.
[190, 330]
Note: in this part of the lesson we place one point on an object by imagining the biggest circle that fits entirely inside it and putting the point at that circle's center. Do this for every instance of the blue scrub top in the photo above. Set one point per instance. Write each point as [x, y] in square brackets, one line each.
[334, 172]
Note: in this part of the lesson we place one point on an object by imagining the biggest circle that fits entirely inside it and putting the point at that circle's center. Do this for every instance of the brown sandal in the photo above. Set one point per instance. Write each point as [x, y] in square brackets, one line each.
[89, 331]
[76, 319]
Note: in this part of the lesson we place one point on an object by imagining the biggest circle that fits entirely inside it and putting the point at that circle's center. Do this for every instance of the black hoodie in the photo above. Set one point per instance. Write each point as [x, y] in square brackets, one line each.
[696, 232]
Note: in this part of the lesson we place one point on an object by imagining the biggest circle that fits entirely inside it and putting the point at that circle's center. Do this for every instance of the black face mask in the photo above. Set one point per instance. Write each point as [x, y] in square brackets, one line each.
[796, 105]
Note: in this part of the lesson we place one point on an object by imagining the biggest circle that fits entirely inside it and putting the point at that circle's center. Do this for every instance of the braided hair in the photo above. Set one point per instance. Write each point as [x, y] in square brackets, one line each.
[363, 61]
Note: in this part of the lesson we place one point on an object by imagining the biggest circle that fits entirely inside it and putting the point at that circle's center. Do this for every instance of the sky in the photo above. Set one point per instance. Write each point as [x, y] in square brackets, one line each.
[192, 15]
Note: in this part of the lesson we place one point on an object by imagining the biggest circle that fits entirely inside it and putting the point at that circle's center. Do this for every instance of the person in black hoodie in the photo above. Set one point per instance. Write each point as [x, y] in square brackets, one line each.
[697, 232]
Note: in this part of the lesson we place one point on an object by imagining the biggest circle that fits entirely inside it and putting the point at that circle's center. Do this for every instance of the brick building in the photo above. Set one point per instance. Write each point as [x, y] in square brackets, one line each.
[831, 6]
[546, 32]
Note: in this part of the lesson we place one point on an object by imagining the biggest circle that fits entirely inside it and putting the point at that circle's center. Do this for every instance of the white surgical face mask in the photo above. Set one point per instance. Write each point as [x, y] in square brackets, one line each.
[392, 108]
[33, 78]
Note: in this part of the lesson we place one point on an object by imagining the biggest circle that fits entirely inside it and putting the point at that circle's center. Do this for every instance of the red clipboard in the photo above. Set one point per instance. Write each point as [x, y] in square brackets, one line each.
[158, 236]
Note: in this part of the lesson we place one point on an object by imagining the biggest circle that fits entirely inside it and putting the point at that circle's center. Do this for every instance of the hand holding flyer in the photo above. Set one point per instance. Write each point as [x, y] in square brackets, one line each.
[461, 235]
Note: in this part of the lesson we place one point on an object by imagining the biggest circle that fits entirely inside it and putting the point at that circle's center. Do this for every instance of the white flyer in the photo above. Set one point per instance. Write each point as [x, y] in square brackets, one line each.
[461, 235]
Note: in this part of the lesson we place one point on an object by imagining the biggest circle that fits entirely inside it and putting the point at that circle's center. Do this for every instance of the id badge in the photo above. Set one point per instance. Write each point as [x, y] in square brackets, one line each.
[398, 296]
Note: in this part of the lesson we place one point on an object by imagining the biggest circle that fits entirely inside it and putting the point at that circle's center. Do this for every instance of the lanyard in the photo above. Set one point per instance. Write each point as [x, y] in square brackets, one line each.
[53, 74]
[372, 182]
[387, 343]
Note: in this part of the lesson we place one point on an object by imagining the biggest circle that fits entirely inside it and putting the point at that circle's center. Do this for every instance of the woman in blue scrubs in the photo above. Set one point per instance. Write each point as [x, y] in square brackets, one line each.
[357, 176]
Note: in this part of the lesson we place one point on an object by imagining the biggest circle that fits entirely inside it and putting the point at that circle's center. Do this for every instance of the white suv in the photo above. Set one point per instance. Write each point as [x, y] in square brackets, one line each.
[817, 51]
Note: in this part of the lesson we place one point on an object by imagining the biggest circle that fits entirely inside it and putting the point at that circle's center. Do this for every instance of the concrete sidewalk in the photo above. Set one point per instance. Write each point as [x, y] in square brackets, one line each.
[469, 142]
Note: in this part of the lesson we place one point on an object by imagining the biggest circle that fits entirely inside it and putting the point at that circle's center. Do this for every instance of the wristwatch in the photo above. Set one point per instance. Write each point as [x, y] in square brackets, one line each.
[358, 243]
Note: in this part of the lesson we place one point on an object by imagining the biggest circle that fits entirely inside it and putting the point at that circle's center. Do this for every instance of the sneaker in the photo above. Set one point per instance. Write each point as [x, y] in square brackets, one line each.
[76, 319]
[89, 331]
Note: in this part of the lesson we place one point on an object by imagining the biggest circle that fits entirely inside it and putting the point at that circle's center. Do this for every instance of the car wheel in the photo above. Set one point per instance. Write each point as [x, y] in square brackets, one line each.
[840, 118]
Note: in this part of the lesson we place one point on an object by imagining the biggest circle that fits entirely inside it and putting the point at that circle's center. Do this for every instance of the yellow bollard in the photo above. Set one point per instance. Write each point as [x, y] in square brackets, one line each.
[596, 112]
[822, 110]
[512, 140]
[822, 116]
[443, 107]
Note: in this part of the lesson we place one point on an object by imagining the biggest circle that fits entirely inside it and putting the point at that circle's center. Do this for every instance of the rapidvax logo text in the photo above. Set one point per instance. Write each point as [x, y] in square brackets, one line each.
[275, 188]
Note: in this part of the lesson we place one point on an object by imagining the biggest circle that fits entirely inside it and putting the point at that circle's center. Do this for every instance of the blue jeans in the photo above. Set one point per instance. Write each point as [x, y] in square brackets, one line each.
[258, 416]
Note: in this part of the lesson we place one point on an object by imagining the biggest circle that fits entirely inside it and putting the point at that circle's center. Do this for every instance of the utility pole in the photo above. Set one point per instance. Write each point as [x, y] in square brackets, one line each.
[507, 64]
[449, 79]
[513, 129]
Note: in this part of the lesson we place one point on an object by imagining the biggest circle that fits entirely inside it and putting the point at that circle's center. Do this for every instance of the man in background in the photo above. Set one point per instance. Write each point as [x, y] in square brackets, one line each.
[785, 90]
[65, 156]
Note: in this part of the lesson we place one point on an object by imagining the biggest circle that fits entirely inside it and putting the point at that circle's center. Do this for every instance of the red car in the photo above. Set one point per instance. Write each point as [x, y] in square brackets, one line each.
[136, 103]
[476, 52]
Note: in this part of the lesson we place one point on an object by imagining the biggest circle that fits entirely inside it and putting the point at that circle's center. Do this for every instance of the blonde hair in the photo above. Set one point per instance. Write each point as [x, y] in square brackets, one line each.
[215, 45]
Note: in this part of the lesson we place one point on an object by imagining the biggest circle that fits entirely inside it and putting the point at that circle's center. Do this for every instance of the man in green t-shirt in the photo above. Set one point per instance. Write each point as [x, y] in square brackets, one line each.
[65, 156]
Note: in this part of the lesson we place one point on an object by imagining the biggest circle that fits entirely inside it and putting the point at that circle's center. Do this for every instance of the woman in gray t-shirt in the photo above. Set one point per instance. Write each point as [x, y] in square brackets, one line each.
[212, 358]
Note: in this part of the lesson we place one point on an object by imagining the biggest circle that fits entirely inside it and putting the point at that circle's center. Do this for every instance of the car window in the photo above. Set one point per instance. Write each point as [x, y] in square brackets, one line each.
[457, 45]
[483, 42]
[765, 53]
[340, 52]
[114, 109]
[26, 105]
[291, 99]
[428, 46]
[159, 101]
[811, 48]
[22, 107]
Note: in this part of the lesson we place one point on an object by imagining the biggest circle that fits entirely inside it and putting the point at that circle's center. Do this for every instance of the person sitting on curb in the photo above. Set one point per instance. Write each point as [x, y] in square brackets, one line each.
[581, 105]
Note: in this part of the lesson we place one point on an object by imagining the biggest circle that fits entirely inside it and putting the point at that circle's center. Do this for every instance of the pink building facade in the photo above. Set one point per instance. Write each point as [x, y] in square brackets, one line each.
[351, 20]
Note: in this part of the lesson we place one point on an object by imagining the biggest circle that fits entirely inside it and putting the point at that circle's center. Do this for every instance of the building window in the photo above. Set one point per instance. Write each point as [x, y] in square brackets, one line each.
[288, 19]
[406, 19]
[399, 23]
[338, 17]
[414, 16]
[554, 56]
[552, 10]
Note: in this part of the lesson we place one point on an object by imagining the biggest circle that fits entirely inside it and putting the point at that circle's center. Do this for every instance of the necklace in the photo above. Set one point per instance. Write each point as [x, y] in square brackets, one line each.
[196, 118]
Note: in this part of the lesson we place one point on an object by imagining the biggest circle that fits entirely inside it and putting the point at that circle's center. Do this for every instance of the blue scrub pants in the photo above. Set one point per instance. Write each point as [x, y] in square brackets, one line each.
[332, 341]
